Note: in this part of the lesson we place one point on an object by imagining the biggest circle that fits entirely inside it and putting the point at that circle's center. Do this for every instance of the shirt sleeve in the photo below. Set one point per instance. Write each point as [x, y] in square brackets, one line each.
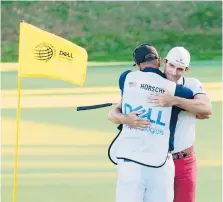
[183, 92]
[122, 80]
[196, 86]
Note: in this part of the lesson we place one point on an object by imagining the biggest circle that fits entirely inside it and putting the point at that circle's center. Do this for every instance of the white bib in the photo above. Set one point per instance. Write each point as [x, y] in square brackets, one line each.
[145, 146]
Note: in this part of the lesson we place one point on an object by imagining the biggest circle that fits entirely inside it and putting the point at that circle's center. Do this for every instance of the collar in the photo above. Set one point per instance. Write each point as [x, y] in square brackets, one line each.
[153, 70]
[181, 80]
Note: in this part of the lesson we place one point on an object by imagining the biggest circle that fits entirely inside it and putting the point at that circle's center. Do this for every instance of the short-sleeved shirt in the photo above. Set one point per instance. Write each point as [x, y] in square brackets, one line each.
[186, 125]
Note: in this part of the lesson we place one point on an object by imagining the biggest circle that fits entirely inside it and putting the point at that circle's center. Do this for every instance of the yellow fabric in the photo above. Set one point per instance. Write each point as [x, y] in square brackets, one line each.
[42, 54]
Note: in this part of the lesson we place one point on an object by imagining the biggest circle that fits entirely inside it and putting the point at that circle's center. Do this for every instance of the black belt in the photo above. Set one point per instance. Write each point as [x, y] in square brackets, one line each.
[183, 154]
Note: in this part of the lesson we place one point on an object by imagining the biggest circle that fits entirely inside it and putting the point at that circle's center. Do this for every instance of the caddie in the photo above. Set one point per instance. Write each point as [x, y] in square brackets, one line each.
[145, 165]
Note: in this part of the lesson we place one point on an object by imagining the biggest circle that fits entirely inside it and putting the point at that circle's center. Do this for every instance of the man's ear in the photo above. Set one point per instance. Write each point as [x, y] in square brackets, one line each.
[159, 61]
[187, 69]
[165, 61]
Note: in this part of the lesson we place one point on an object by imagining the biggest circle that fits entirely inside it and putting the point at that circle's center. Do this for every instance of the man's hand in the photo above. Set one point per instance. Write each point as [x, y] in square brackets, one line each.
[162, 100]
[134, 121]
[115, 116]
[203, 116]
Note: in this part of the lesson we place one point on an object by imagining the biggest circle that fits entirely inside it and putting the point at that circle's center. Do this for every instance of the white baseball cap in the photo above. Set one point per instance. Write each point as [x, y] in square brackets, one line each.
[179, 55]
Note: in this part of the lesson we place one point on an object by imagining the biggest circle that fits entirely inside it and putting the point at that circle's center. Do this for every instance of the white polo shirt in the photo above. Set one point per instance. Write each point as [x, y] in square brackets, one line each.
[186, 125]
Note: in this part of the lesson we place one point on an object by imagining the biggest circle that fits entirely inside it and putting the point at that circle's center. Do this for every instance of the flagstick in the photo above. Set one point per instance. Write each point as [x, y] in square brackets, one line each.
[17, 142]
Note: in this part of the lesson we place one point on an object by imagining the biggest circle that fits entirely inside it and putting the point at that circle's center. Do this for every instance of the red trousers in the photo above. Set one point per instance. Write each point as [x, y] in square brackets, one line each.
[185, 179]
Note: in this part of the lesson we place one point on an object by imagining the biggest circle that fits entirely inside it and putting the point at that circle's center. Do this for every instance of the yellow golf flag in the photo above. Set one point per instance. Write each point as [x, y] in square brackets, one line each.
[42, 54]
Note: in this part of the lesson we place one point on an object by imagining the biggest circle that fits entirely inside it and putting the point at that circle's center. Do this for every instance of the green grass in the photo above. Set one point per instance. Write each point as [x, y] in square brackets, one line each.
[66, 189]
[86, 183]
[209, 188]
[101, 190]
[111, 30]
[208, 135]
[108, 76]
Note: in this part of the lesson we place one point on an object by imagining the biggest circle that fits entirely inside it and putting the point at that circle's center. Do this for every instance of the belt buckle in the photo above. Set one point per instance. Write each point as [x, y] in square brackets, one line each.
[178, 155]
[181, 155]
[184, 154]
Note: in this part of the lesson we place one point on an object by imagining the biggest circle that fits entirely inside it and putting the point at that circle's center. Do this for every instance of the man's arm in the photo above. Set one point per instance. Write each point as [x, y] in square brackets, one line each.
[200, 105]
[201, 117]
[115, 116]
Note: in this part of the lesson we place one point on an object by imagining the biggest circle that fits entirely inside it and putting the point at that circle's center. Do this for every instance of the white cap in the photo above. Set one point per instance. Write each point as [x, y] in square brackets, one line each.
[179, 55]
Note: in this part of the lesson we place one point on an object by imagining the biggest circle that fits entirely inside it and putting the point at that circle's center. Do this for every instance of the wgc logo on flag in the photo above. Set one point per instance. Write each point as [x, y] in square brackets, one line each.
[44, 52]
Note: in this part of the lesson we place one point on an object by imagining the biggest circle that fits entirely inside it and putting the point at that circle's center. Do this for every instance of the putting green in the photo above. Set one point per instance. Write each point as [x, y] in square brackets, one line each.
[46, 98]
[32, 133]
